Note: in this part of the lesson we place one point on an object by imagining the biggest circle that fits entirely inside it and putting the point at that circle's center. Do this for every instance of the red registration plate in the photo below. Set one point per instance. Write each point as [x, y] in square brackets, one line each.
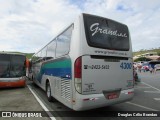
[112, 96]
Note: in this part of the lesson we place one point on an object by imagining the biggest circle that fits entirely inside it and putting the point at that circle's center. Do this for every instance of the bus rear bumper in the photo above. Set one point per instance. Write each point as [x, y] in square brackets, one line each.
[86, 102]
[18, 83]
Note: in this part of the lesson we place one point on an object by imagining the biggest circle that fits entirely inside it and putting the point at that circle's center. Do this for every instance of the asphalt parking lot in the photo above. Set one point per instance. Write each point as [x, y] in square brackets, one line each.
[19, 99]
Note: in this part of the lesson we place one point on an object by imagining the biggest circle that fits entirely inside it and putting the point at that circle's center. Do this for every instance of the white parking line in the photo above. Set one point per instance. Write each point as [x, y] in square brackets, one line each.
[151, 109]
[151, 86]
[41, 103]
[156, 98]
[158, 90]
[141, 87]
[152, 91]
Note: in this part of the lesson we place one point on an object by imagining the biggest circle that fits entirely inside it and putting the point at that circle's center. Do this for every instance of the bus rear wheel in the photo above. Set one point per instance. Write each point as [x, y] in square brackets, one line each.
[48, 92]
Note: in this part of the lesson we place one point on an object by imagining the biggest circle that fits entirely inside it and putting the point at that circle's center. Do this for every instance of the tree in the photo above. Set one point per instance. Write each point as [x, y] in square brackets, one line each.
[142, 59]
[158, 53]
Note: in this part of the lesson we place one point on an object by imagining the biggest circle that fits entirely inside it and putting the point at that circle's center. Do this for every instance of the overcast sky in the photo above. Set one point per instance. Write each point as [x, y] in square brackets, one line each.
[28, 25]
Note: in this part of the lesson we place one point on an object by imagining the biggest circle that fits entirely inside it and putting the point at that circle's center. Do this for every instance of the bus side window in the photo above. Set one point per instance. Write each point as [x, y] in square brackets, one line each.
[63, 41]
[43, 54]
[51, 50]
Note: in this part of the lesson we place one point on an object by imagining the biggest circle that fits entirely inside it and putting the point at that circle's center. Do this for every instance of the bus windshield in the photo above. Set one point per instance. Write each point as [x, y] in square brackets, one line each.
[12, 66]
[105, 33]
[4, 66]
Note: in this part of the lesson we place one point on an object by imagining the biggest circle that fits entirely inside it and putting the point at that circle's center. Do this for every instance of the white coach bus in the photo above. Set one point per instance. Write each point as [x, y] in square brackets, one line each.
[88, 65]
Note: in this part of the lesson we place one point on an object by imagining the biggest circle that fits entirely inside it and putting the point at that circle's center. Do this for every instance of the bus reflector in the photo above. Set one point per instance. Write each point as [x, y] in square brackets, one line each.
[130, 92]
[86, 99]
[91, 99]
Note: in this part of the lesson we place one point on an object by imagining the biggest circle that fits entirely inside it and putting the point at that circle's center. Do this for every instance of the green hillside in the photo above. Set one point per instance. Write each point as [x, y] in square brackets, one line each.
[28, 55]
[147, 51]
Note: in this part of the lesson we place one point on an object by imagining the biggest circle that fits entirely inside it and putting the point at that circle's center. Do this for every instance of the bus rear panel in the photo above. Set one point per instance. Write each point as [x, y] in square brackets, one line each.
[103, 71]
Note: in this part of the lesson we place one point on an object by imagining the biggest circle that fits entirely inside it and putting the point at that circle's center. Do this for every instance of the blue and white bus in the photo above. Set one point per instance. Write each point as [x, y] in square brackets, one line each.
[88, 65]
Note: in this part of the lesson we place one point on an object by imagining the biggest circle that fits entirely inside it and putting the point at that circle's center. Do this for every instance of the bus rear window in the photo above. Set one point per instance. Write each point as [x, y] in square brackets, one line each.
[105, 33]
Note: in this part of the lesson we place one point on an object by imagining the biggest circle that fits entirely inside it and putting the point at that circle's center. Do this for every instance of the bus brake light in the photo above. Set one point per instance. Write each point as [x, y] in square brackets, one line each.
[78, 68]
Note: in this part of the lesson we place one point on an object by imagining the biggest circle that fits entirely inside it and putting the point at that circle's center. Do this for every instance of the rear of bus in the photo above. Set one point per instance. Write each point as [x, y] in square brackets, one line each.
[103, 73]
[12, 70]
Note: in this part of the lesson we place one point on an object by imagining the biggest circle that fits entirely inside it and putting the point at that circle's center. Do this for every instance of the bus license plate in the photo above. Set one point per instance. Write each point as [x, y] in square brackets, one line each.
[112, 96]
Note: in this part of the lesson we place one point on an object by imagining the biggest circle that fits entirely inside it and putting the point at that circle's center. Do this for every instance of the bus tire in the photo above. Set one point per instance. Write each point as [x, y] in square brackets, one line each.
[32, 78]
[48, 92]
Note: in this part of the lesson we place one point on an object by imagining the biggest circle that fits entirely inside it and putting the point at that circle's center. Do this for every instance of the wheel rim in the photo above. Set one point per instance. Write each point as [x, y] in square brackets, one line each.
[48, 90]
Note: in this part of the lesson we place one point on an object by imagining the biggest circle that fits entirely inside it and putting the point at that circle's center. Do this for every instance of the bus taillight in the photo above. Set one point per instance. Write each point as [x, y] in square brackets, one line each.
[78, 74]
[78, 68]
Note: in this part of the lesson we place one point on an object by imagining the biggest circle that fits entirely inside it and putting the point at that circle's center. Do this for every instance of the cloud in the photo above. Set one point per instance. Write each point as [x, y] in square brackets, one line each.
[36, 24]
[29, 25]
[140, 16]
